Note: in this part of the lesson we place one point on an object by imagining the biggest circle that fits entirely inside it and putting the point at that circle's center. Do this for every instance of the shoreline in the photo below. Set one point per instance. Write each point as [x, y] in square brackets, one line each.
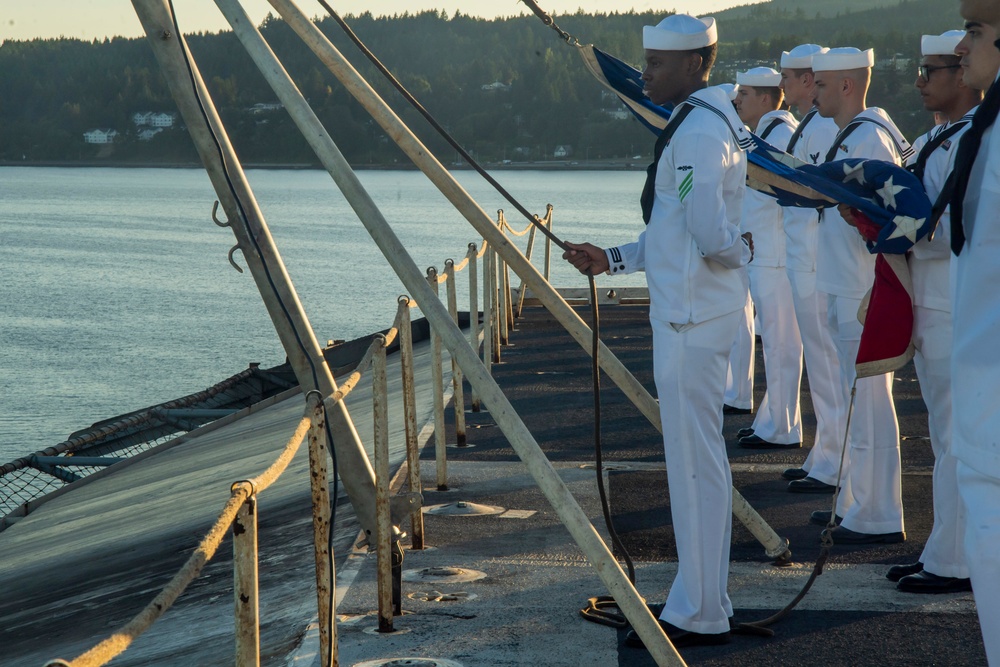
[549, 165]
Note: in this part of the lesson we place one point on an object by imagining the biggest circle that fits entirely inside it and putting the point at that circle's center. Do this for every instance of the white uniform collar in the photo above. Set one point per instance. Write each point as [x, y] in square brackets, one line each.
[785, 116]
[882, 119]
[716, 99]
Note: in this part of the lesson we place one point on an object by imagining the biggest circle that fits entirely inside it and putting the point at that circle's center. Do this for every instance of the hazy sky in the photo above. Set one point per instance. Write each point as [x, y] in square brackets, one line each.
[87, 19]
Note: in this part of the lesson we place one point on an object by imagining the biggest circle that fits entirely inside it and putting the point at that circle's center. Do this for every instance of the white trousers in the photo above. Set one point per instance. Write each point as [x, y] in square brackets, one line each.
[981, 498]
[739, 375]
[779, 419]
[944, 554]
[689, 366]
[871, 499]
[823, 368]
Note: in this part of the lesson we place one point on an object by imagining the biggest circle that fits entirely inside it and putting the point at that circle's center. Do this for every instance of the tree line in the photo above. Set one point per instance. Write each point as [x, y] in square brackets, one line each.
[57, 89]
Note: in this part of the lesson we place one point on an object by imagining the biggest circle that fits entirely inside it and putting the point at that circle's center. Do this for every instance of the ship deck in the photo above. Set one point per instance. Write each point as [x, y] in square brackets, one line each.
[81, 564]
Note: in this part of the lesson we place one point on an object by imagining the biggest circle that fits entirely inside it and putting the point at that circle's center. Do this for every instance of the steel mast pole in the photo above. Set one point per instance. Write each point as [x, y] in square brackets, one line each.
[258, 248]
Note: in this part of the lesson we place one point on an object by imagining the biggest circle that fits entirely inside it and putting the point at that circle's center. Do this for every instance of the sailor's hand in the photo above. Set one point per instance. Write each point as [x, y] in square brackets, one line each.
[748, 239]
[847, 213]
[869, 230]
[587, 258]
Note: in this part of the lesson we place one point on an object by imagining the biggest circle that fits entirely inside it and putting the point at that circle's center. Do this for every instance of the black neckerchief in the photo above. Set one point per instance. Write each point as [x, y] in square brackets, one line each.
[649, 189]
[798, 131]
[920, 165]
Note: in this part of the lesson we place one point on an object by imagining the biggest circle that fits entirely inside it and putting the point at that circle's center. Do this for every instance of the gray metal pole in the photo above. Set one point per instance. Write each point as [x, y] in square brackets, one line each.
[259, 251]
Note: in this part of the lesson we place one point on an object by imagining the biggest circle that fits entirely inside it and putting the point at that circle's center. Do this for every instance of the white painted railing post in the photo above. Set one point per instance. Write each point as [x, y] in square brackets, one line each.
[383, 517]
[503, 296]
[410, 421]
[548, 242]
[458, 398]
[489, 311]
[440, 443]
[320, 486]
[474, 315]
[245, 582]
[527, 255]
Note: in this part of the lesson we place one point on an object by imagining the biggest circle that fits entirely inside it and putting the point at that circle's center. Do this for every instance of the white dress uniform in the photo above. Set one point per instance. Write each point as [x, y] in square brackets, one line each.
[740, 368]
[975, 367]
[694, 260]
[871, 497]
[818, 347]
[778, 419]
[929, 264]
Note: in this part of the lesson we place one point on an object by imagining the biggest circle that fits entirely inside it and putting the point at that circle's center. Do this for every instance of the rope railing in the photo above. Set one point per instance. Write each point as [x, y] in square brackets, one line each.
[114, 645]
[244, 492]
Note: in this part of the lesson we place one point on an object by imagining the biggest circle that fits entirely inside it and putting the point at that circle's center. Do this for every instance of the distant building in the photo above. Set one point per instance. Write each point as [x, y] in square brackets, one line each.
[153, 119]
[496, 86]
[562, 151]
[263, 107]
[149, 133]
[100, 136]
[618, 114]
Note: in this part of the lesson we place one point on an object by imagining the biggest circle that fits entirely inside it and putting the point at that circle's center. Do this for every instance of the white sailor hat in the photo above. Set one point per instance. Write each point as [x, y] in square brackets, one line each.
[759, 76]
[730, 89]
[801, 57]
[941, 45]
[843, 58]
[679, 32]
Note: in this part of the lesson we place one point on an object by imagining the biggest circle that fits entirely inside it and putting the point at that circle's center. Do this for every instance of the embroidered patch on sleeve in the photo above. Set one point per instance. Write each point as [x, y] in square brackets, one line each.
[685, 187]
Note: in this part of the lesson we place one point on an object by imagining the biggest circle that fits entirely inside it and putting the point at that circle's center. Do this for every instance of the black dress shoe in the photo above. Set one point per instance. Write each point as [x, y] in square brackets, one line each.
[795, 473]
[822, 518]
[755, 442]
[744, 432]
[843, 535]
[681, 638]
[925, 582]
[810, 485]
[733, 410]
[897, 572]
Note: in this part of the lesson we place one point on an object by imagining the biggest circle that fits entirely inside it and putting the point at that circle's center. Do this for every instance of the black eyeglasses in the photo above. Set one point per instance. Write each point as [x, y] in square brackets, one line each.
[925, 71]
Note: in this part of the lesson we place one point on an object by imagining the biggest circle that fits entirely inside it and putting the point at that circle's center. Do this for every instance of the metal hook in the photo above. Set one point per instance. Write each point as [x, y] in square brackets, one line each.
[215, 209]
[233, 261]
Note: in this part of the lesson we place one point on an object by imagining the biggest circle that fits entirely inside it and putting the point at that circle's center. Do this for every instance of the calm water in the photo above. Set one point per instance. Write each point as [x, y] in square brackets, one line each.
[117, 293]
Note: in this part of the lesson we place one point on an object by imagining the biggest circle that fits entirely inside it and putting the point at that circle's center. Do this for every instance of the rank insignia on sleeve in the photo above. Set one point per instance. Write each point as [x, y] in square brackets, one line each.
[684, 189]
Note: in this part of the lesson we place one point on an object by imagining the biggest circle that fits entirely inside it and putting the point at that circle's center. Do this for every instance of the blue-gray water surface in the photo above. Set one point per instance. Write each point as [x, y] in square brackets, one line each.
[117, 294]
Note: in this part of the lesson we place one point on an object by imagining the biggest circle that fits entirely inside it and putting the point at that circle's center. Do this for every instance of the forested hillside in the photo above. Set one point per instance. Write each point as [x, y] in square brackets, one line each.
[541, 97]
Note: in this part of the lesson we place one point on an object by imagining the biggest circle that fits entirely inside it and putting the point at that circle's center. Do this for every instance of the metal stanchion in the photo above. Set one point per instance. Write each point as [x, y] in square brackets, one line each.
[458, 399]
[489, 335]
[245, 583]
[383, 517]
[319, 481]
[548, 243]
[474, 315]
[410, 421]
[527, 256]
[440, 446]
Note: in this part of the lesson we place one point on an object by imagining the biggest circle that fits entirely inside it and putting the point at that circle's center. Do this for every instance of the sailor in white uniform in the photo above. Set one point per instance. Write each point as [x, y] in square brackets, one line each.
[942, 567]
[778, 423]
[810, 143]
[694, 258]
[975, 363]
[870, 501]
[738, 398]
